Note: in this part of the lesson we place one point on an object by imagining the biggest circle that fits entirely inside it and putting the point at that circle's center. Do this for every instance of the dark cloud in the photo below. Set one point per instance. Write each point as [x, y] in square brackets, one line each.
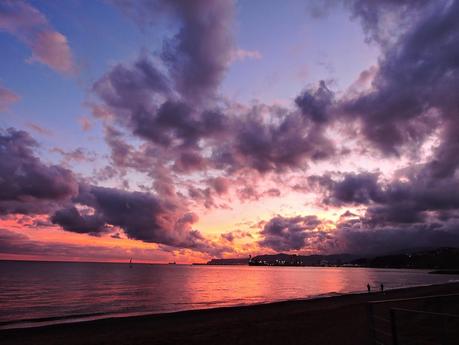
[315, 103]
[285, 234]
[286, 141]
[129, 87]
[142, 216]
[413, 92]
[411, 96]
[357, 235]
[384, 21]
[198, 140]
[198, 55]
[27, 185]
[360, 188]
[140, 101]
[169, 101]
[353, 238]
[72, 220]
[189, 161]
[416, 206]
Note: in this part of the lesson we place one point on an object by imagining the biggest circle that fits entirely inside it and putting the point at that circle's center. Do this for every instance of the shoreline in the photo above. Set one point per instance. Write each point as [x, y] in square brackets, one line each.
[321, 320]
[81, 318]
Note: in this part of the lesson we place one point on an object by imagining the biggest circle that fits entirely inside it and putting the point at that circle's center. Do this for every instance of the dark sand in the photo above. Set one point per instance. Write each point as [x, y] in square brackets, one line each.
[331, 320]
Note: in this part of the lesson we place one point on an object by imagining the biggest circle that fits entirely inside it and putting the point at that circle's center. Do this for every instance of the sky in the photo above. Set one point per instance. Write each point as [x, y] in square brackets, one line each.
[189, 130]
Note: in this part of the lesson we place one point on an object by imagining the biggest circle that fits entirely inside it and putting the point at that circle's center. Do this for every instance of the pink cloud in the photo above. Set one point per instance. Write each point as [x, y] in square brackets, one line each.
[241, 54]
[85, 123]
[30, 26]
[39, 129]
[7, 97]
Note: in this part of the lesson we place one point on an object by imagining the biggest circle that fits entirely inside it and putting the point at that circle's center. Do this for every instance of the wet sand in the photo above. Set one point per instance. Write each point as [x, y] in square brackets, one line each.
[329, 320]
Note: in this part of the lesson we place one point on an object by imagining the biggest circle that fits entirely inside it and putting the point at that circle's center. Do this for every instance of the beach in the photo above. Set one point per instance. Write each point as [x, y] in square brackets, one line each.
[328, 320]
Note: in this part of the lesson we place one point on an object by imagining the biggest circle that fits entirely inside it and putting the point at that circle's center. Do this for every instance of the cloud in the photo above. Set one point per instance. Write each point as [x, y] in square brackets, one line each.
[29, 25]
[140, 98]
[141, 216]
[356, 235]
[220, 185]
[163, 116]
[285, 234]
[235, 235]
[352, 238]
[198, 55]
[27, 184]
[315, 103]
[77, 155]
[362, 188]
[416, 210]
[169, 101]
[242, 54]
[413, 90]
[7, 97]
[70, 219]
[385, 21]
[285, 140]
[39, 129]
[85, 123]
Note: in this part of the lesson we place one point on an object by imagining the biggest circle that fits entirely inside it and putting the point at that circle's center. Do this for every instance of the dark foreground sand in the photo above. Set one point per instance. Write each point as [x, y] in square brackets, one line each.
[332, 320]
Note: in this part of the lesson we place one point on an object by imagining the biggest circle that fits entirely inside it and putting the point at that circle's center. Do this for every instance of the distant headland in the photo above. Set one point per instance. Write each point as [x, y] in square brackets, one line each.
[439, 258]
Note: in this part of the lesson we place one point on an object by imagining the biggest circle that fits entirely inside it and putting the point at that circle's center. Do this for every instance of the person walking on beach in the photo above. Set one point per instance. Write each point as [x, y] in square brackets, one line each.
[382, 287]
[368, 287]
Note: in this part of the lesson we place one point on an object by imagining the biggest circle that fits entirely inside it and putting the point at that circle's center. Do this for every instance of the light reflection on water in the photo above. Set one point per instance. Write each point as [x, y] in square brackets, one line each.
[30, 290]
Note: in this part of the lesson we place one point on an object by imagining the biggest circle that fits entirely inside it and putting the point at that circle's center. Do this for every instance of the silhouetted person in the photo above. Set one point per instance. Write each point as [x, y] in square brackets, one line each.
[382, 287]
[368, 287]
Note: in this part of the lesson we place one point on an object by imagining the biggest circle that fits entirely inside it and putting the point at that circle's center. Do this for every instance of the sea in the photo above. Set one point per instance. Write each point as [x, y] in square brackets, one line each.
[40, 293]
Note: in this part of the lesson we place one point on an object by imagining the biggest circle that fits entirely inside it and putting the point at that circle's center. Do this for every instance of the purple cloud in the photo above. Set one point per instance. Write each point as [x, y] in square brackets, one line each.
[316, 103]
[198, 55]
[413, 92]
[142, 216]
[285, 234]
[27, 185]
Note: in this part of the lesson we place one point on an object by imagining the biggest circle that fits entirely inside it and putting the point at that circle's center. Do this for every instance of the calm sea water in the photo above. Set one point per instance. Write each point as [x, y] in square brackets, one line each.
[30, 290]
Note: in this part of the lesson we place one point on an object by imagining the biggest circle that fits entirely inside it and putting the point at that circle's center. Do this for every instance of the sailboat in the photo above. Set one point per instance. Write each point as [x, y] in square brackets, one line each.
[130, 263]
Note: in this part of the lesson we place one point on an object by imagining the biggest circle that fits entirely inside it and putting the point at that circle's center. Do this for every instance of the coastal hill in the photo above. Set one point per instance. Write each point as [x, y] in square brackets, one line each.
[302, 260]
[440, 258]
